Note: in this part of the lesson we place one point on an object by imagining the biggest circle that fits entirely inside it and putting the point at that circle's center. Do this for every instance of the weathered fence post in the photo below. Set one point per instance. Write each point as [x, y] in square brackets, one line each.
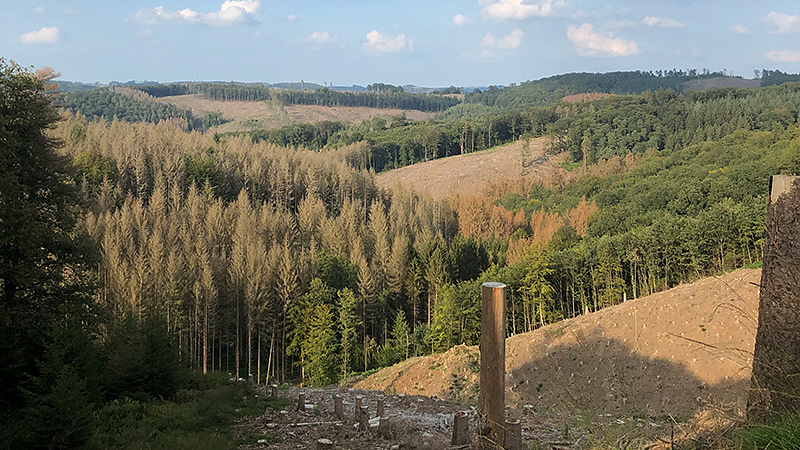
[273, 391]
[301, 401]
[775, 386]
[491, 399]
[380, 406]
[338, 407]
[460, 429]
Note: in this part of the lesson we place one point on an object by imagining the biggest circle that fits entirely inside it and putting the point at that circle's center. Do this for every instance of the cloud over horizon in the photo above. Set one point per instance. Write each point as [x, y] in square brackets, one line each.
[591, 43]
[383, 43]
[45, 35]
[662, 22]
[322, 37]
[520, 9]
[786, 23]
[460, 19]
[511, 40]
[231, 12]
[783, 56]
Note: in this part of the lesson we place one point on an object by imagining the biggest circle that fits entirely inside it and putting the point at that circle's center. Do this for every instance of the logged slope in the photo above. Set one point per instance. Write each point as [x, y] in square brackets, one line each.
[668, 353]
[263, 115]
[470, 173]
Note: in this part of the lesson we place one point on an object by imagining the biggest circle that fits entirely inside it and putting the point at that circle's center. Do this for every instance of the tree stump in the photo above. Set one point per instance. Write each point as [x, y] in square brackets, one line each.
[513, 435]
[273, 391]
[380, 406]
[363, 419]
[338, 407]
[460, 429]
[775, 385]
[357, 409]
[301, 401]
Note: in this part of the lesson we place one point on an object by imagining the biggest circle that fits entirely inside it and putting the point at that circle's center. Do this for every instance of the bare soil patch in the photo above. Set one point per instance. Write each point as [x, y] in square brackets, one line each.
[269, 117]
[470, 173]
[668, 354]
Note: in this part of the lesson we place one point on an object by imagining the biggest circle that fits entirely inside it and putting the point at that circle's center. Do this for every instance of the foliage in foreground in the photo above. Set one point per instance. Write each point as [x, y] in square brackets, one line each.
[783, 434]
[200, 417]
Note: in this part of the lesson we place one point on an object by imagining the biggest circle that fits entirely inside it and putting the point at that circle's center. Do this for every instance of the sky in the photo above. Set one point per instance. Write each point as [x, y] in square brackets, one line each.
[422, 42]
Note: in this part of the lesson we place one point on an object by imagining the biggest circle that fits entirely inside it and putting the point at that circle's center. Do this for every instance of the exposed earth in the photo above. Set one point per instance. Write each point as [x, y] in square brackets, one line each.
[470, 173]
[245, 116]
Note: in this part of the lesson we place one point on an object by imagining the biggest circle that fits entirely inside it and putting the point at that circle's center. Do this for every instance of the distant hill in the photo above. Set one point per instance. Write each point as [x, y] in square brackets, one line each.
[550, 90]
[721, 82]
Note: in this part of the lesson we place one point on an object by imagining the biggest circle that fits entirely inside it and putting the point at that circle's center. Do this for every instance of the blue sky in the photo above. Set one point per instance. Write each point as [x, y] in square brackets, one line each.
[423, 42]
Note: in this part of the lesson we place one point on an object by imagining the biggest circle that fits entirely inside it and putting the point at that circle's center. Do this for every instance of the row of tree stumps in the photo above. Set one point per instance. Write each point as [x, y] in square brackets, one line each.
[360, 410]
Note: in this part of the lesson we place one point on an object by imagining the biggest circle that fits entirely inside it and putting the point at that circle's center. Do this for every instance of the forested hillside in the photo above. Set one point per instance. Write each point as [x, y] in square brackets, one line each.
[260, 239]
[393, 98]
[124, 104]
[547, 91]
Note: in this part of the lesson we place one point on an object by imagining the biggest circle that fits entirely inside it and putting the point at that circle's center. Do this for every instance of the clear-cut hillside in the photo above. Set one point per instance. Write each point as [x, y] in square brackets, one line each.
[667, 353]
[470, 173]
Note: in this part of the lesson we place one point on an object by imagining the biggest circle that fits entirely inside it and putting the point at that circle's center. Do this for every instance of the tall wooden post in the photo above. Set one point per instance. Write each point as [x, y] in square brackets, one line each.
[491, 399]
[775, 385]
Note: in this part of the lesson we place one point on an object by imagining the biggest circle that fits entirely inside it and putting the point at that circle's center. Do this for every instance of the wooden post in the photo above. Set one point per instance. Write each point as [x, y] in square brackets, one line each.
[776, 360]
[460, 429]
[301, 401]
[380, 406]
[357, 409]
[338, 407]
[491, 399]
[513, 435]
[273, 391]
[363, 419]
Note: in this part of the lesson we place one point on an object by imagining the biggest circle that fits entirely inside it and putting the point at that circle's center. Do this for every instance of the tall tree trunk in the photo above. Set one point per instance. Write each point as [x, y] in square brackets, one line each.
[776, 361]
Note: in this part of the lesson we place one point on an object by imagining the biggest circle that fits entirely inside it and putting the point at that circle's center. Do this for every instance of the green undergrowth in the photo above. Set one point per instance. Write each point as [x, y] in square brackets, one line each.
[783, 434]
[200, 417]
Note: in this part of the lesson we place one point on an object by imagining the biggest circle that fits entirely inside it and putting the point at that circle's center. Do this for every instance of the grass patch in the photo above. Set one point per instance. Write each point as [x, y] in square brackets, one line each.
[784, 434]
[754, 265]
[201, 417]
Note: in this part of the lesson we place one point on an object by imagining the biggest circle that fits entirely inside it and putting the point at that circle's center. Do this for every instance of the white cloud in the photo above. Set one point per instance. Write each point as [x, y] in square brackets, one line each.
[384, 43]
[38, 10]
[144, 33]
[784, 22]
[511, 40]
[291, 17]
[70, 11]
[739, 29]
[783, 56]
[662, 22]
[619, 24]
[322, 37]
[591, 43]
[520, 9]
[230, 12]
[460, 19]
[46, 35]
